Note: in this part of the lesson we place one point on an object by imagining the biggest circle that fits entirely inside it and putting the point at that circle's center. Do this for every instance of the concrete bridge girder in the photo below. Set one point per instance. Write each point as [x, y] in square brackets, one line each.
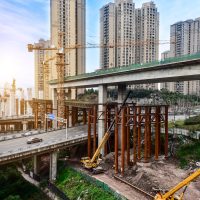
[181, 71]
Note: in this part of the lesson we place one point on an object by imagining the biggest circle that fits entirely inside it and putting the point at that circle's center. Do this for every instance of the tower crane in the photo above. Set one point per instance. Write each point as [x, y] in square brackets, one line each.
[46, 71]
[60, 72]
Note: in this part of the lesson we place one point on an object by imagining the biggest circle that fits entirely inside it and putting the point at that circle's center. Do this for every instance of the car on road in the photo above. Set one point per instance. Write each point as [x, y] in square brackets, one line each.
[34, 140]
[27, 133]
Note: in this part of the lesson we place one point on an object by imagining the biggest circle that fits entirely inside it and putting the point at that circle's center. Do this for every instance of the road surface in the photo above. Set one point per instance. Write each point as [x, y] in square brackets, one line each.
[20, 144]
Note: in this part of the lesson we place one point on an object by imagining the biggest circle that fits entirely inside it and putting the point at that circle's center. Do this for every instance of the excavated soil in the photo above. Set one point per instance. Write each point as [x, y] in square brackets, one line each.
[154, 176]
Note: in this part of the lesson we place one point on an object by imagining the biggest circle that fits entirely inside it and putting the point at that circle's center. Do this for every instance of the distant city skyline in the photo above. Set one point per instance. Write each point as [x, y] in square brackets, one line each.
[23, 22]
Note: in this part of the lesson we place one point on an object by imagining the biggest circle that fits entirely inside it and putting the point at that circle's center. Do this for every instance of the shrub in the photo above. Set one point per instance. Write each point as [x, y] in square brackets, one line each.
[11, 197]
[188, 152]
[192, 120]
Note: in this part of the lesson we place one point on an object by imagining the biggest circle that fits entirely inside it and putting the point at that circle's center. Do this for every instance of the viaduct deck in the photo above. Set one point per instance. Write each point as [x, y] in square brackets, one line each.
[16, 149]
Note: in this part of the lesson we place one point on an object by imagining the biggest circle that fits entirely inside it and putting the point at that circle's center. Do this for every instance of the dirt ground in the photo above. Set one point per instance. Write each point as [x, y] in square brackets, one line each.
[159, 175]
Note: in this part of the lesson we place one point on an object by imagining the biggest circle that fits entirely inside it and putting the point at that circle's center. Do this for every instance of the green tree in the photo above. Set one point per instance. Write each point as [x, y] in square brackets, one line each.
[11, 197]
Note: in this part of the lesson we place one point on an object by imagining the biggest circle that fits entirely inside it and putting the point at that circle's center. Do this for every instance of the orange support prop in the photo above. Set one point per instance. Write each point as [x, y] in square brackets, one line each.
[146, 134]
[159, 136]
[105, 129]
[89, 134]
[135, 136]
[149, 138]
[128, 136]
[116, 140]
[139, 131]
[166, 132]
[157, 133]
[95, 127]
[123, 141]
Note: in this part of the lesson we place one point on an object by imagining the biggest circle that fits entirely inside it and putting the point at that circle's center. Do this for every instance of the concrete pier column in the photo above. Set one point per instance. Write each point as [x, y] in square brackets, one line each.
[120, 99]
[55, 106]
[102, 98]
[121, 92]
[53, 166]
[36, 164]
[25, 125]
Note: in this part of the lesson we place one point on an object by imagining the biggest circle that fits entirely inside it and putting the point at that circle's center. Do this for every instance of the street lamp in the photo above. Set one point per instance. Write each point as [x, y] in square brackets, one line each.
[66, 127]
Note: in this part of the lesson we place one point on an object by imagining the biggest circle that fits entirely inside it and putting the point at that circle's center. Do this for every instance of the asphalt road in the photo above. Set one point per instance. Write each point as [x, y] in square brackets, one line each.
[20, 144]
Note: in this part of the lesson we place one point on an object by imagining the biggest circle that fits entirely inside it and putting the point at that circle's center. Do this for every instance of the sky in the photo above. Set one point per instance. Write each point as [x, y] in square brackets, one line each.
[26, 21]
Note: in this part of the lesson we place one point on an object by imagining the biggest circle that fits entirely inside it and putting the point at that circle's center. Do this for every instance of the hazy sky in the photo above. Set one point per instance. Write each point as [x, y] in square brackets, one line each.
[26, 21]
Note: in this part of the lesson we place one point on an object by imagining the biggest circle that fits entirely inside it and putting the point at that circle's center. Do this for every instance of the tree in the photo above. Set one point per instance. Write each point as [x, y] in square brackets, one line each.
[13, 197]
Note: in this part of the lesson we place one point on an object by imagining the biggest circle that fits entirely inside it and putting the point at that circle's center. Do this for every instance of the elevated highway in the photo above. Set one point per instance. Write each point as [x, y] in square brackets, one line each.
[177, 69]
[16, 149]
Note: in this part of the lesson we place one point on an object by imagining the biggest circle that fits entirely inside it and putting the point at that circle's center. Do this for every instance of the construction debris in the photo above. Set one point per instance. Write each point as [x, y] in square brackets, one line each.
[155, 176]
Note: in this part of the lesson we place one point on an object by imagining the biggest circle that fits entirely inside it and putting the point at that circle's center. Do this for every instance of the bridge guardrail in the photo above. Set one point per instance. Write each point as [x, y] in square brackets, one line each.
[179, 131]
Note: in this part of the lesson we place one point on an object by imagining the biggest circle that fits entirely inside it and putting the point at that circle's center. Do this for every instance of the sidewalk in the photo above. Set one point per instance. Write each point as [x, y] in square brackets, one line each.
[120, 187]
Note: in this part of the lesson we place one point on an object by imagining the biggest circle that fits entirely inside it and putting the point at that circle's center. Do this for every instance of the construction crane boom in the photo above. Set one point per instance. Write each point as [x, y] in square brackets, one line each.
[32, 47]
[93, 163]
[170, 195]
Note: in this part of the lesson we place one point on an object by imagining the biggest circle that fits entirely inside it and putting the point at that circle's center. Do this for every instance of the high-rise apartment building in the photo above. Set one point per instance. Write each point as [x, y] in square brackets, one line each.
[147, 37]
[138, 35]
[134, 33]
[41, 84]
[147, 40]
[107, 35]
[184, 40]
[117, 25]
[125, 29]
[68, 26]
